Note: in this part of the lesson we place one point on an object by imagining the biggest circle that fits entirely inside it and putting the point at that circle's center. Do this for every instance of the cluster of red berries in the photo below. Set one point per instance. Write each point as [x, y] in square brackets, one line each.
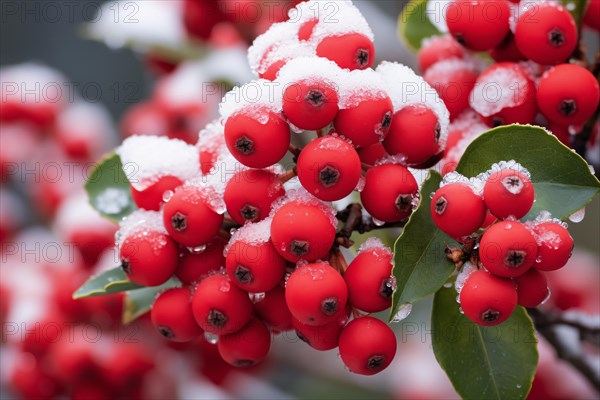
[532, 81]
[511, 255]
[253, 246]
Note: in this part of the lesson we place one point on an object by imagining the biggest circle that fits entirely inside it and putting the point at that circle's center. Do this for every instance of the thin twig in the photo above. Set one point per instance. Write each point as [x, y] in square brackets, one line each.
[354, 222]
[565, 334]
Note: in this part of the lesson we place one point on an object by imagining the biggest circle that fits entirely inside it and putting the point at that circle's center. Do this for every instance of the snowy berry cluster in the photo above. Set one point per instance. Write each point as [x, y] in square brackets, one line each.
[255, 246]
[511, 255]
[532, 80]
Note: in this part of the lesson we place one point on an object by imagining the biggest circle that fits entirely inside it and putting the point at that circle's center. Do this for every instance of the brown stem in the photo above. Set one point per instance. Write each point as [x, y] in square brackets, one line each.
[320, 132]
[286, 176]
[365, 166]
[353, 221]
[564, 332]
[295, 151]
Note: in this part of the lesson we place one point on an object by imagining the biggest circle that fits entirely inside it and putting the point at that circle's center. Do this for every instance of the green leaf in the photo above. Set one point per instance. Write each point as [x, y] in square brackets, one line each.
[577, 9]
[108, 188]
[108, 282]
[420, 264]
[414, 25]
[562, 179]
[138, 302]
[496, 362]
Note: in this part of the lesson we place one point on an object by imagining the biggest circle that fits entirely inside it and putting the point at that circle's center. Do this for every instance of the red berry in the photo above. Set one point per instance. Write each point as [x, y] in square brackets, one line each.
[532, 288]
[508, 249]
[478, 25]
[504, 94]
[302, 231]
[270, 73]
[329, 168]
[219, 306]
[195, 265]
[592, 15]
[250, 193]
[365, 123]
[315, 293]
[172, 315]
[310, 104]
[254, 267]
[414, 134]
[372, 154]
[556, 246]
[389, 192]
[568, 94]
[453, 80]
[367, 346]
[189, 219]
[370, 285]
[246, 347]
[257, 137]
[439, 48]
[488, 300]
[149, 258]
[273, 310]
[151, 198]
[199, 17]
[457, 210]
[546, 33]
[321, 337]
[352, 50]
[306, 29]
[508, 193]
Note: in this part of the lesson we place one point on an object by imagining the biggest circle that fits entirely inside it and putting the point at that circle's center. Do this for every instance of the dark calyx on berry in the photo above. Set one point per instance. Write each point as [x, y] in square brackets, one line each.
[386, 121]
[249, 212]
[362, 57]
[243, 274]
[386, 290]
[329, 306]
[125, 266]
[490, 315]
[440, 205]
[299, 247]
[244, 145]
[302, 337]
[556, 37]
[329, 176]
[244, 363]
[179, 221]
[315, 98]
[568, 107]
[166, 332]
[375, 362]
[515, 258]
[216, 318]
[497, 121]
[404, 202]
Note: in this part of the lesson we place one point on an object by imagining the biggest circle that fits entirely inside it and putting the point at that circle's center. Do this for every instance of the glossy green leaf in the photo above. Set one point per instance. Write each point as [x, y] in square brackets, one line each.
[420, 264]
[496, 362]
[108, 188]
[108, 282]
[562, 179]
[414, 25]
[138, 302]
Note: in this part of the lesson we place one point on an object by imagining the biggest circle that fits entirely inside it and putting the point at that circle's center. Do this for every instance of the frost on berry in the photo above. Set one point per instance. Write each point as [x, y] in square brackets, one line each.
[256, 99]
[359, 85]
[252, 234]
[466, 271]
[302, 196]
[139, 223]
[148, 158]
[310, 69]
[216, 318]
[476, 183]
[513, 184]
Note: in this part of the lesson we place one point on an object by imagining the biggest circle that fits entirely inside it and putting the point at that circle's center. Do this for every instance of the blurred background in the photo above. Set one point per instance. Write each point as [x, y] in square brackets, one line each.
[92, 73]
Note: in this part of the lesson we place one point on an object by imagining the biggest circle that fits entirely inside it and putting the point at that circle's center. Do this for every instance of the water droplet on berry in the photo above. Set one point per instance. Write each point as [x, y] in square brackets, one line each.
[378, 222]
[211, 337]
[508, 226]
[197, 249]
[167, 195]
[460, 310]
[458, 299]
[361, 184]
[225, 286]
[546, 298]
[538, 259]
